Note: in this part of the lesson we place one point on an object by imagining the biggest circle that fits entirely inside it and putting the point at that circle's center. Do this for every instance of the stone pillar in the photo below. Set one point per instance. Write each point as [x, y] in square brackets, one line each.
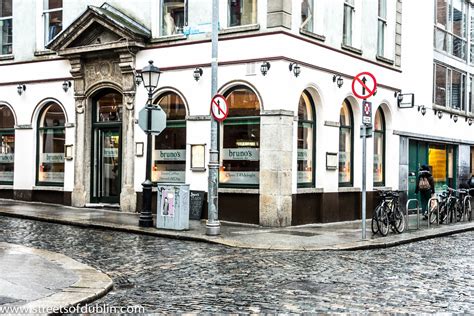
[279, 13]
[276, 154]
[464, 163]
[128, 196]
[79, 193]
[403, 170]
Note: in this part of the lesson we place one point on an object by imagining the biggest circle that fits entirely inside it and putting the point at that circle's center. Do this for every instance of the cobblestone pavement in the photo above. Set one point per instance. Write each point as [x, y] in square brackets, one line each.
[435, 275]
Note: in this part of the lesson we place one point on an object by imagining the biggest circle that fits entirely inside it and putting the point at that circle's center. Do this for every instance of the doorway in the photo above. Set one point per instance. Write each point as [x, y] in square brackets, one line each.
[107, 147]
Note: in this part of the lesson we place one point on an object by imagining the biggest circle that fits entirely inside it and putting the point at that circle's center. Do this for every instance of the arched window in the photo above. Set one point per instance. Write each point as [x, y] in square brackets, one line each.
[51, 139]
[306, 137]
[169, 148]
[345, 145]
[240, 139]
[7, 151]
[379, 148]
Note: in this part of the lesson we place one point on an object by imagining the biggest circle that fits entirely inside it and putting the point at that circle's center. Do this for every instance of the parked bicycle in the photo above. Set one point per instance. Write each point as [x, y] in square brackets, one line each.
[388, 214]
[454, 205]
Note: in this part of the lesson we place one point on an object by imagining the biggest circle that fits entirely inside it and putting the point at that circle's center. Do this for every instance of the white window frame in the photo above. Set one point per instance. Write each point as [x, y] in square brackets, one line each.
[5, 18]
[348, 22]
[381, 27]
[160, 19]
[227, 7]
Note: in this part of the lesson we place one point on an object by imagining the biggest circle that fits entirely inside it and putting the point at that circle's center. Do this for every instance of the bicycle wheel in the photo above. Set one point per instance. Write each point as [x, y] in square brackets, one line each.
[432, 212]
[374, 226]
[383, 222]
[468, 209]
[443, 213]
[459, 211]
[398, 222]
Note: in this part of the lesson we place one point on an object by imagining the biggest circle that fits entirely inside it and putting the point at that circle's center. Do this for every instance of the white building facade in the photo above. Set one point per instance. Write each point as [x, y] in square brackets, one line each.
[290, 150]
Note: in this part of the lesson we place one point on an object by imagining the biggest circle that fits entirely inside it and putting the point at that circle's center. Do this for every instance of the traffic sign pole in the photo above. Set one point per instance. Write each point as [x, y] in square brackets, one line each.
[364, 180]
[213, 227]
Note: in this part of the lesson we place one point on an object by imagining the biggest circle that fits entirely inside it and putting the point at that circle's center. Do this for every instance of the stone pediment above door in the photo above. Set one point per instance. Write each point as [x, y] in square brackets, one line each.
[98, 29]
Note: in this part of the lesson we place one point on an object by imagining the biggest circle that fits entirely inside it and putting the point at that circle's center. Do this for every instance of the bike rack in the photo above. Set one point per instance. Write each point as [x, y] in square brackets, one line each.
[417, 213]
[437, 210]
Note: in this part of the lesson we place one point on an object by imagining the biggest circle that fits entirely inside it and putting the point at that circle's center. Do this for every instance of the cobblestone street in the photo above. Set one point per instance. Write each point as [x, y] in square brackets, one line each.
[435, 275]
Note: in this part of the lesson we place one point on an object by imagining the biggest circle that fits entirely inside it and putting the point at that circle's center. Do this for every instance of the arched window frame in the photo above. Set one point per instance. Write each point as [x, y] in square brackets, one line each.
[309, 124]
[7, 149]
[239, 120]
[41, 130]
[174, 152]
[380, 133]
[346, 128]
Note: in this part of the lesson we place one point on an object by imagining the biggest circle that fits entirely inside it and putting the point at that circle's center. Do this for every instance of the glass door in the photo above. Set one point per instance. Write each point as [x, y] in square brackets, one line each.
[108, 165]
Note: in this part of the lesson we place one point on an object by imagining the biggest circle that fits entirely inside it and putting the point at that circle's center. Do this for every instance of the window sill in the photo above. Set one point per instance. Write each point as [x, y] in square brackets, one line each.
[238, 191]
[309, 190]
[448, 110]
[169, 38]
[46, 52]
[321, 38]
[47, 188]
[238, 29]
[384, 60]
[7, 57]
[349, 189]
[351, 49]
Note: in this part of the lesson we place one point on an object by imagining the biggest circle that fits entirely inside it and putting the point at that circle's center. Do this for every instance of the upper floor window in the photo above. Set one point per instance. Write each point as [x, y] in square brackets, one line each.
[449, 87]
[307, 18]
[53, 19]
[242, 12]
[347, 23]
[6, 27]
[382, 25]
[174, 16]
[451, 27]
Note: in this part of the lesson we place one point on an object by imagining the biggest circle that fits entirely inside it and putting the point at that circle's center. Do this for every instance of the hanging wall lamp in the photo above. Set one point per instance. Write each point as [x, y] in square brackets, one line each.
[21, 88]
[338, 80]
[265, 67]
[66, 85]
[197, 73]
[455, 117]
[295, 68]
[422, 109]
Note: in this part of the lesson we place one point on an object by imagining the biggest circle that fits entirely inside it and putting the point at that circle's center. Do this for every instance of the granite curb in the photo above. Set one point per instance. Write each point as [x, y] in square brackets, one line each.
[91, 284]
[390, 241]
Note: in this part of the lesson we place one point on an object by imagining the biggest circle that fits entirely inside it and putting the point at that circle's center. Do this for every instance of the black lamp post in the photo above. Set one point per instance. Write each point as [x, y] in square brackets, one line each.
[150, 75]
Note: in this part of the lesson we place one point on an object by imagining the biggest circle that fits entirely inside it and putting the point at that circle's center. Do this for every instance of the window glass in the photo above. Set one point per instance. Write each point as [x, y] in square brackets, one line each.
[347, 22]
[437, 159]
[240, 139]
[169, 147]
[440, 85]
[472, 161]
[305, 140]
[451, 28]
[242, 12]
[307, 15]
[379, 148]
[382, 23]
[7, 143]
[173, 17]
[6, 27]
[441, 12]
[53, 19]
[51, 140]
[345, 145]
[456, 91]
[109, 107]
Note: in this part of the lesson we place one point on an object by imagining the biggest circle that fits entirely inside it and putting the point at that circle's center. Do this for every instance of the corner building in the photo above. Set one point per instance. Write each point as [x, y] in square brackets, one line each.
[290, 149]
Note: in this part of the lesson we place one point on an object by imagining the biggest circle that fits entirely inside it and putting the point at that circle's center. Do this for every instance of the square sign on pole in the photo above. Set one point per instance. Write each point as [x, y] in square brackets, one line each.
[158, 119]
[366, 112]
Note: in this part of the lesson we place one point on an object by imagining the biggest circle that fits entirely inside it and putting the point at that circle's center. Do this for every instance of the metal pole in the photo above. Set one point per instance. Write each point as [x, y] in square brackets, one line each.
[146, 219]
[213, 227]
[364, 180]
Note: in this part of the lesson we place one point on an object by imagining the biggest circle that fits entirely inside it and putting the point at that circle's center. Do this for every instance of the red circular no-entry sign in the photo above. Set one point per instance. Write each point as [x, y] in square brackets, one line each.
[219, 107]
[364, 85]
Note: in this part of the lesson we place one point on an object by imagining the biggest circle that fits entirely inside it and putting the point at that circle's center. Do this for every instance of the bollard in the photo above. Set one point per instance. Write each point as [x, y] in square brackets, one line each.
[417, 213]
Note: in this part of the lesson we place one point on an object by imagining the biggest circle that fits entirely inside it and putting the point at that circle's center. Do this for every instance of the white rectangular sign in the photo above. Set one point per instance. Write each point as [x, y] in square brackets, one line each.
[52, 158]
[51, 176]
[305, 176]
[6, 176]
[169, 176]
[111, 152]
[170, 155]
[7, 158]
[303, 154]
[239, 177]
[251, 154]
